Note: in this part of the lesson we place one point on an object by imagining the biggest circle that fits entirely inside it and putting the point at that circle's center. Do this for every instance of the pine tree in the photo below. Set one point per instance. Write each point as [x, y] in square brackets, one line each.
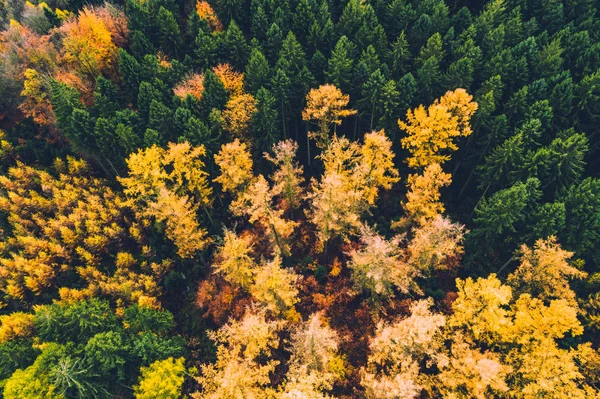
[258, 72]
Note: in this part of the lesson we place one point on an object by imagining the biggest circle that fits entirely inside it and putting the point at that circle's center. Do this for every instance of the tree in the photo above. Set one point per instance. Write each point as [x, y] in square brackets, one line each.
[275, 288]
[232, 81]
[350, 185]
[264, 120]
[582, 204]
[436, 246]
[315, 363]
[258, 72]
[233, 261]
[233, 46]
[170, 185]
[238, 114]
[169, 32]
[397, 349]
[88, 44]
[379, 266]
[545, 272]
[433, 130]
[192, 85]
[287, 178]
[161, 380]
[37, 104]
[235, 162]
[205, 12]
[67, 240]
[499, 213]
[256, 202]
[239, 371]
[339, 67]
[214, 94]
[327, 106]
[423, 198]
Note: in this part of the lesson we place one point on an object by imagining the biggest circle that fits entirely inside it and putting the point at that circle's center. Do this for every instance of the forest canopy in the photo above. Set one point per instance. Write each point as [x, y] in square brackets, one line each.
[238, 199]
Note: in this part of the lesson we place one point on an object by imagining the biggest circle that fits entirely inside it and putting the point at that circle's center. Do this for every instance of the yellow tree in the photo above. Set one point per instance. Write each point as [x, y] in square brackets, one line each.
[436, 245]
[256, 202]
[287, 178]
[88, 44]
[170, 185]
[235, 163]
[162, 379]
[326, 106]
[206, 12]
[375, 169]
[244, 359]
[16, 325]
[432, 131]
[523, 333]
[233, 260]
[350, 184]
[238, 114]
[232, 81]
[275, 288]
[423, 198]
[36, 103]
[545, 271]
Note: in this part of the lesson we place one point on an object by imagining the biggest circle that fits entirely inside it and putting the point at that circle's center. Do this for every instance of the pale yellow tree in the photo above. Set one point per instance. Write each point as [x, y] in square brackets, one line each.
[256, 202]
[397, 350]
[287, 178]
[275, 288]
[431, 132]
[233, 260]
[545, 271]
[379, 266]
[423, 198]
[315, 363]
[244, 359]
[350, 184]
[170, 185]
[326, 106]
[472, 374]
[436, 245]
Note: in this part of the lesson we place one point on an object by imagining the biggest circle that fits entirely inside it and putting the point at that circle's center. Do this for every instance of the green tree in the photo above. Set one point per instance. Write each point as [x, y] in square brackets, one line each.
[258, 72]
[233, 46]
[339, 67]
[501, 212]
[264, 121]
[169, 32]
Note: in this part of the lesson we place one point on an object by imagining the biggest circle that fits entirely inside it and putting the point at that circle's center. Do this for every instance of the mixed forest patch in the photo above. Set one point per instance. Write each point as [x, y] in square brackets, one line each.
[299, 199]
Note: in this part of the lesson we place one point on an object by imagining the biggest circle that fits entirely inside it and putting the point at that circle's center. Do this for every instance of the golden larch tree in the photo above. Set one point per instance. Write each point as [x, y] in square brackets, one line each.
[423, 197]
[431, 132]
[326, 106]
[170, 185]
